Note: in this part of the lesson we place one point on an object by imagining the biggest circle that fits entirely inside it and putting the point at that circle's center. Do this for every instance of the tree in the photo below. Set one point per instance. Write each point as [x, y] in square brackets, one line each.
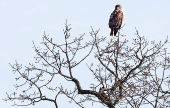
[128, 75]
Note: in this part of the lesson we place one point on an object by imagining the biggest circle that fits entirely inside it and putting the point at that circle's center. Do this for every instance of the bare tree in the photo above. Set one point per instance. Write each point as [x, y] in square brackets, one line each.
[128, 75]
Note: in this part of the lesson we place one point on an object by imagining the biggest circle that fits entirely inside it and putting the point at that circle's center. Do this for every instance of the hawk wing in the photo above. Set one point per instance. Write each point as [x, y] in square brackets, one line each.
[116, 19]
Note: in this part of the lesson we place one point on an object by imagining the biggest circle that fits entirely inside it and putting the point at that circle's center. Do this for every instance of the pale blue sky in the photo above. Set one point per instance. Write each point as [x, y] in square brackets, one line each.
[24, 21]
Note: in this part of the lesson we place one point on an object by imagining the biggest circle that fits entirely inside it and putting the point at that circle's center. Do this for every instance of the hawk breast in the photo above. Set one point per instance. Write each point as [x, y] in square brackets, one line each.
[116, 19]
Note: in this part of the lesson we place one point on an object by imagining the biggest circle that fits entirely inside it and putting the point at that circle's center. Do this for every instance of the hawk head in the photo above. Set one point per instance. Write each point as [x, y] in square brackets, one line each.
[118, 7]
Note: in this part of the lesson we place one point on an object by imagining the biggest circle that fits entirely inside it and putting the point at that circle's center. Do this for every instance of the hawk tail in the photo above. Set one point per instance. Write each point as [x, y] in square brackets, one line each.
[115, 31]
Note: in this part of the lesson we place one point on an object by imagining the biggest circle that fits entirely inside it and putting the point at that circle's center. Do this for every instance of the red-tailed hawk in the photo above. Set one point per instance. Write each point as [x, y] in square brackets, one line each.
[116, 19]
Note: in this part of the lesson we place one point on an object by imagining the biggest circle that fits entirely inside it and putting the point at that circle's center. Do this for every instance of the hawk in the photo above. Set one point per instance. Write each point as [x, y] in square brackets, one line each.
[116, 20]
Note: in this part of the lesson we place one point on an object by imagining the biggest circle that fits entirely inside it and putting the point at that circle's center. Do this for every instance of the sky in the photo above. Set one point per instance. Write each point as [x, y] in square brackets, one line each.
[24, 21]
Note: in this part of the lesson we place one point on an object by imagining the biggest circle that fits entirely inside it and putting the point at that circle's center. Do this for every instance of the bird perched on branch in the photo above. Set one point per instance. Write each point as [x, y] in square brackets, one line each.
[116, 20]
